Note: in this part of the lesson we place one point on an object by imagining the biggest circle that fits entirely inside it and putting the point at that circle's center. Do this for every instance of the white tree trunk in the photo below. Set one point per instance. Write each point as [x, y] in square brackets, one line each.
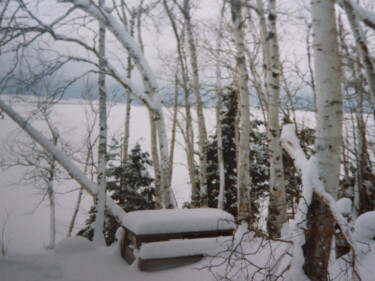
[102, 149]
[328, 142]
[128, 100]
[219, 90]
[301, 234]
[364, 15]
[125, 142]
[277, 204]
[89, 163]
[50, 190]
[189, 134]
[202, 137]
[243, 169]
[328, 91]
[174, 124]
[149, 97]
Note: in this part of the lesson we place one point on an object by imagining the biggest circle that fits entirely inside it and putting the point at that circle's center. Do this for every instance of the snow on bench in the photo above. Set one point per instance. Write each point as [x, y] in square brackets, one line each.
[177, 220]
[158, 237]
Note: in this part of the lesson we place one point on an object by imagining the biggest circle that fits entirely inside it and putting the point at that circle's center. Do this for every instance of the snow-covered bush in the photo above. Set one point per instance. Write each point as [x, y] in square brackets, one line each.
[344, 206]
[365, 227]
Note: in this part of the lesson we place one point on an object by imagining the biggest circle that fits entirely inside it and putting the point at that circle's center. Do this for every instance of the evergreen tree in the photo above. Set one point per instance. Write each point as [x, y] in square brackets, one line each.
[259, 162]
[137, 193]
[228, 113]
[259, 165]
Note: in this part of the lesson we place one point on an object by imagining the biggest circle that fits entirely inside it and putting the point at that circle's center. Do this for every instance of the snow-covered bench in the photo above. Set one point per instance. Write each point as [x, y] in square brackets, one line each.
[171, 237]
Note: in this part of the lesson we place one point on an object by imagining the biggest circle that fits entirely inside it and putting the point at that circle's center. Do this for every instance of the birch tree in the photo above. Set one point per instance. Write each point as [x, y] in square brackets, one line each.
[328, 142]
[102, 148]
[127, 17]
[277, 203]
[355, 84]
[220, 154]
[362, 49]
[62, 159]
[243, 170]
[90, 141]
[149, 95]
[43, 172]
[188, 130]
[202, 136]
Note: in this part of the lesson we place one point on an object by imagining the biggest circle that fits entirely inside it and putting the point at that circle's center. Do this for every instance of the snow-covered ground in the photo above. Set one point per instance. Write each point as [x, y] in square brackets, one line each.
[76, 259]
[27, 231]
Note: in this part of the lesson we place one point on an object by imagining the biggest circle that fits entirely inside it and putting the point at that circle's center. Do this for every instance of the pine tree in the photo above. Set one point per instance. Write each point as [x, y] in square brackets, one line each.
[137, 193]
[228, 115]
[258, 160]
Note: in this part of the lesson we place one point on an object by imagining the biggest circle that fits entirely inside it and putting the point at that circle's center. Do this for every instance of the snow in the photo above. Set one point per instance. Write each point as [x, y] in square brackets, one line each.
[75, 172]
[73, 244]
[75, 260]
[78, 260]
[178, 220]
[344, 206]
[365, 227]
[180, 248]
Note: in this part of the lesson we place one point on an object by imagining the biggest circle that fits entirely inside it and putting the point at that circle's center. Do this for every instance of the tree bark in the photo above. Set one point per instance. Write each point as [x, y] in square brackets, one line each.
[219, 90]
[102, 149]
[50, 189]
[189, 134]
[328, 143]
[362, 49]
[128, 100]
[243, 169]
[277, 204]
[150, 96]
[202, 137]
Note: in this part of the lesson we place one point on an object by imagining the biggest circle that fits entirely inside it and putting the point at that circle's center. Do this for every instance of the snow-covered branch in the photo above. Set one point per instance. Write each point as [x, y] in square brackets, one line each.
[311, 183]
[62, 159]
[122, 35]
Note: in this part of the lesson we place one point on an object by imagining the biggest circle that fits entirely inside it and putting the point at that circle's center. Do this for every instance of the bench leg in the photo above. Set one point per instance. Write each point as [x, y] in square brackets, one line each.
[142, 264]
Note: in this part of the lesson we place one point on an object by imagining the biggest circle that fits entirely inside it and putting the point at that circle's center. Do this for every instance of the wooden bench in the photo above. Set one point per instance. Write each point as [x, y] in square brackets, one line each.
[166, 238]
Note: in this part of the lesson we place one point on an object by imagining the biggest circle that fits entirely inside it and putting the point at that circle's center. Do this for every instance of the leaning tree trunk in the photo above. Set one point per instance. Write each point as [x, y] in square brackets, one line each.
[63, 160]
[243, 169]
[328, 143]
[102, 149]
[202, 137]
[150, 95]
[89, 161]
